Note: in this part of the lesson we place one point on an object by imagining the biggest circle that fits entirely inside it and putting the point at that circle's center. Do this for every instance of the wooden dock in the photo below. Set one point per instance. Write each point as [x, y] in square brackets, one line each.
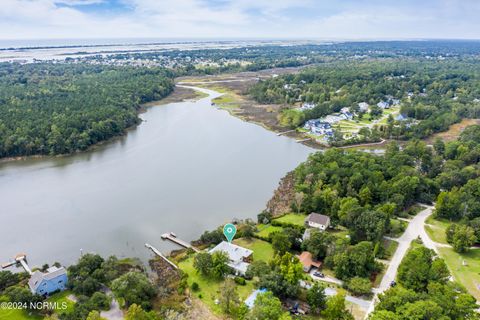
[158, 253]
[304, 140]
[19, 259]
[172, 237]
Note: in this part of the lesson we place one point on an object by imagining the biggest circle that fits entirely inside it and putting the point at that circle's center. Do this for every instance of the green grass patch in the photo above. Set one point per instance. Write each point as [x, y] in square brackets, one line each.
[264, 230]
[209, 289]
[415, 244]
[262, 250]
[468, 275]
[293, 218]
[226, 101]
[226, 98]
[62, 298]
[16, 314]
[436, 234]
[436, 229]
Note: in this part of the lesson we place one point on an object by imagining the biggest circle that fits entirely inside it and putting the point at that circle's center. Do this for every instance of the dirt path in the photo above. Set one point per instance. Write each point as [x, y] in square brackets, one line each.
[199, 310]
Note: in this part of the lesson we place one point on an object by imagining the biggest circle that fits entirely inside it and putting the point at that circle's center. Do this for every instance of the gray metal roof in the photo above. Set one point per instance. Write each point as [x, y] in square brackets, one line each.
[318, 218]
[38, 276]
[234, 252]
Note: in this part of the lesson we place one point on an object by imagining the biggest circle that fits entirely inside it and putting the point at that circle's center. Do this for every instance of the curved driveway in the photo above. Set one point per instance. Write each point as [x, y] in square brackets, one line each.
[414, 230]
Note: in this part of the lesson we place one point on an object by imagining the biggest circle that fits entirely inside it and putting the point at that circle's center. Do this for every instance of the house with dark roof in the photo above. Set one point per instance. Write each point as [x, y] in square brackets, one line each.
[316, 220]
[45, 283]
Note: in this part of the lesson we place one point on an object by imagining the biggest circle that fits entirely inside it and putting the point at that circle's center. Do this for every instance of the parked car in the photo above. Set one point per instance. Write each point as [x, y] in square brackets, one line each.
[319, 274]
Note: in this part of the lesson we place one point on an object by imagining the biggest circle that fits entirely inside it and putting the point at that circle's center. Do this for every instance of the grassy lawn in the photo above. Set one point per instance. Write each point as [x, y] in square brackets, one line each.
[60, 298]
[293, 218]
[210, 288]
[436, 229]
[264, 230]
[15, 314]
[468, 275]
[262, 250]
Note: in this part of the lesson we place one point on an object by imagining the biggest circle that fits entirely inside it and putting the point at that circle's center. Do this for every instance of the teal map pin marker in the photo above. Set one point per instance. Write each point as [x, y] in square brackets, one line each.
[229, 231]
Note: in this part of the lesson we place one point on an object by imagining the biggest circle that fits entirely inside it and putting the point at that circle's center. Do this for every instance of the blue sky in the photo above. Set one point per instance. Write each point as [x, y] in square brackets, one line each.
[302, 19]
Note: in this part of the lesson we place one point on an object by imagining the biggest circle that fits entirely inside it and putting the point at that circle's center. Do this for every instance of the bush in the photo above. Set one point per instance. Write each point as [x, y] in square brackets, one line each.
[212, 237]
[240, 281]
[359, 286]
[195, 286]
[100, 301]
[264, 217]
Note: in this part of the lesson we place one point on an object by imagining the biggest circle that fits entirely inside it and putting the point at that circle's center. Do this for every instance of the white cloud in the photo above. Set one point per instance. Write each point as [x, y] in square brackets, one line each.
[78, 2]
[24, 19]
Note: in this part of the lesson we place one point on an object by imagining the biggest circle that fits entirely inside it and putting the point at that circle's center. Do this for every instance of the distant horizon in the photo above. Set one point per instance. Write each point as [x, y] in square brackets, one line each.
[243, 19]
[6, 44]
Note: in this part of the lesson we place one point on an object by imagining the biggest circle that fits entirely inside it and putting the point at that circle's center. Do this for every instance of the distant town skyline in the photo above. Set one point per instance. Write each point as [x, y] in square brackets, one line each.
[281, 19]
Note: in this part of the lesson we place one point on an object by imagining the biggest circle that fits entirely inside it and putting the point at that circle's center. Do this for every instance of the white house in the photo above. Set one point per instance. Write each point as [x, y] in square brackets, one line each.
[316, 220]
[307, 106]
[395, 102]
[383, 105]
[332, 118]
[238, 257]
[363, 106]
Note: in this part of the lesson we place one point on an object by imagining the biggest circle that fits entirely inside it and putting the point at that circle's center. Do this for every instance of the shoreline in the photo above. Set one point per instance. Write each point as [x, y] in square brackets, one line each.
[177, 95]
[250, 111]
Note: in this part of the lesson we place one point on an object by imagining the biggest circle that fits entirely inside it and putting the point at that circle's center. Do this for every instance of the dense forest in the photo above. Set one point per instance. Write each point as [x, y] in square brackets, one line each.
[52, 108]
[363, 192]
[433, 94]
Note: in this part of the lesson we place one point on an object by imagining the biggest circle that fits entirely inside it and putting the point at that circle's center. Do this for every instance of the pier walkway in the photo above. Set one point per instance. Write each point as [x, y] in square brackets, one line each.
[172, 237]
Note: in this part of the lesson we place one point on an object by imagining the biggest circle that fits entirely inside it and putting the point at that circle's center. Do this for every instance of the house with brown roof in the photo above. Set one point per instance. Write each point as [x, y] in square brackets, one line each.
[306, 259]
[316, 220]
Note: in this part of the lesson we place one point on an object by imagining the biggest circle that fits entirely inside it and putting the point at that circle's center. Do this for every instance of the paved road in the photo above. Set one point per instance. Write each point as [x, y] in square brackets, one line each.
[326, 278]
[414, 230]
[115, 313]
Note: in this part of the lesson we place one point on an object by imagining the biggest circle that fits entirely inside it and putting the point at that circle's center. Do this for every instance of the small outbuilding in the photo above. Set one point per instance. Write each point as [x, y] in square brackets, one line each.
[306, 259]
[316, 220]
